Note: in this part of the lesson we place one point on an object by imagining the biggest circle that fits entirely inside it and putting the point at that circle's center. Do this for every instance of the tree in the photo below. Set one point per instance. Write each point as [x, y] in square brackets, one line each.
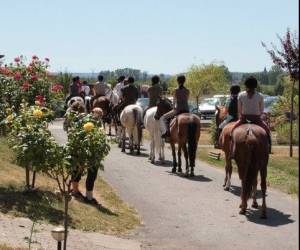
[206, 79]
[288, 59]
[273, 74]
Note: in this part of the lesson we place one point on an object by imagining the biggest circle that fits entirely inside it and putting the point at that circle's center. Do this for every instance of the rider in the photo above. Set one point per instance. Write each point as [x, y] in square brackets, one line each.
[251, 106]
[119, 85]
[74, 88]
[101, 88]
[85, 88]
[129, 95]
[154, 93]
[231, 110]
[180, 105]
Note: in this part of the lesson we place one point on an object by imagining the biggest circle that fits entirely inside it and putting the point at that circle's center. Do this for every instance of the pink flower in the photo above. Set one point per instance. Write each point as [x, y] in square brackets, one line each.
[17, 59]
[5, 71]
[25, 86]
[34, 57]
[57, 88]
[17, 76]
[34, 77]
[47, 59]
[40, 99]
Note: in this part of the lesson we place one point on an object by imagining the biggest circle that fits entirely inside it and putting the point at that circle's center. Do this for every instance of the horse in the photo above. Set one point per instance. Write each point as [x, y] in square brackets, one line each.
[131, 121]
[103, 102]
[184, 130]
[225, 141]
[251, 154]
[154, 129]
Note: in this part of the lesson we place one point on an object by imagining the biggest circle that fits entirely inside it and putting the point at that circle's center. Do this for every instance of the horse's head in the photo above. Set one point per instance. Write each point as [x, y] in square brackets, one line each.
[220, 114]
[97, 113]
[164, 105]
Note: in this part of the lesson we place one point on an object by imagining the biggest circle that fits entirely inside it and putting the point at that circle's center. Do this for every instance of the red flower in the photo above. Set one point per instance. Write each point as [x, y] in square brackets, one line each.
[47, 59]
[17, 76]
[34, 57]
[34, 77]
[57, 88]
[40, 99]
[5, 71]
[25, 86]
[17, 59]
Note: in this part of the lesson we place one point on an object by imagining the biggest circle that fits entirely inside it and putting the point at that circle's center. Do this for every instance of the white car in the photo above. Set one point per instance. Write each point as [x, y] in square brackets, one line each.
[207, 107]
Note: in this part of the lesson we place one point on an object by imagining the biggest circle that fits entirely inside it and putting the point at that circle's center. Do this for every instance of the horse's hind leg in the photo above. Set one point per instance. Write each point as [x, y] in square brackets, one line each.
[179, 158]
[243, 206]
[228, 172]
[123, 139]
[263, 176]
[174, 157]
[254, 203]
[186, 157]
[109, 129]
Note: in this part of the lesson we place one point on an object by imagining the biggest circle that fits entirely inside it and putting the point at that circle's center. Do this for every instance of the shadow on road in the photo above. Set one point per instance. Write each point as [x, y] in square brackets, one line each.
[237, 191]
[201, 178]
[275, 217]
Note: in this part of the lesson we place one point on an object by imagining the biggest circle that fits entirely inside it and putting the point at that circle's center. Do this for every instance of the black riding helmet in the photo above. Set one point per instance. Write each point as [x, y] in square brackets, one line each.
[251, 82]
[235, 89]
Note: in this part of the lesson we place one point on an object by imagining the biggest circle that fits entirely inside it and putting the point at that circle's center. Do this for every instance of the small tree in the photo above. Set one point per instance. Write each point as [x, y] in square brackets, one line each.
[206, 79]
[288, 59]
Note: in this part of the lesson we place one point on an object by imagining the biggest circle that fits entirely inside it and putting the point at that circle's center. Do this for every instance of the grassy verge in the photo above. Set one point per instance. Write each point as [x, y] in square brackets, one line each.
[113, 217]
[6, 247]
[283, 171]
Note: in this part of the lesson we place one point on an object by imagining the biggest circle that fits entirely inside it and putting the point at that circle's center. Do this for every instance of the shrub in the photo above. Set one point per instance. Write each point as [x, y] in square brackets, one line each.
[283, 131]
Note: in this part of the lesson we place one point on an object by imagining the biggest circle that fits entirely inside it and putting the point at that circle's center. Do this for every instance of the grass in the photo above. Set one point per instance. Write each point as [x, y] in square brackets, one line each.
[6, 247]
[283, 171]
[113, 217]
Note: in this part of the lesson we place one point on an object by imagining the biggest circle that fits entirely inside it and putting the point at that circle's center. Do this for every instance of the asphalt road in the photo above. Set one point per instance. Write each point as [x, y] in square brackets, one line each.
[195, 213]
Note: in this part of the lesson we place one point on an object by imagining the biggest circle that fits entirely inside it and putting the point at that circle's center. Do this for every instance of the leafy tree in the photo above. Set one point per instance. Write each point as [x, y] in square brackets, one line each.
[288, 59]
[273, 74]
[206, 79]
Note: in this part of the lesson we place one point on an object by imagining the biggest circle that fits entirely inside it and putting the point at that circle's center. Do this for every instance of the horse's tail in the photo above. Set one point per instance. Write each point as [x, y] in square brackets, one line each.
[138, 122]
[251, 161]
[192, 143]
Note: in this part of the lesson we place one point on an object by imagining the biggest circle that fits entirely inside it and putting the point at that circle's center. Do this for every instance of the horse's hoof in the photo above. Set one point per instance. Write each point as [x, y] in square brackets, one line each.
[242, 211]
[240, 206]
[173, 170]
[254, 204]
[138, 153]
[123, 150]
[179, 170]
[192, 174]
[224, 185]
[186, 174]
[227, 189]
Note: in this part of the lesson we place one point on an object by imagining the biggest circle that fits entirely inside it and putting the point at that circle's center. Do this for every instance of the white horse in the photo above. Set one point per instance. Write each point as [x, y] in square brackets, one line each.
[76, 98]
[131, 120]
[157, 143]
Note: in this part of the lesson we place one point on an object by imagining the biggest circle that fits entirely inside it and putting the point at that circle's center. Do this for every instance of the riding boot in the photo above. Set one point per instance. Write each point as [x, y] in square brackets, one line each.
[167, 134]
[218, 133]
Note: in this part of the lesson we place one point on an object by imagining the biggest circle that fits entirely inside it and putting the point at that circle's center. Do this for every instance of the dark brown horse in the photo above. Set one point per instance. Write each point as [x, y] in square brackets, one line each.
[251, 154]
[185, 131]
[104, 103]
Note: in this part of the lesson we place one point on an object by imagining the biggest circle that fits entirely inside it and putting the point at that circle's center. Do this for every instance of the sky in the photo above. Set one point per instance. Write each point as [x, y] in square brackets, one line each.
[157, 36]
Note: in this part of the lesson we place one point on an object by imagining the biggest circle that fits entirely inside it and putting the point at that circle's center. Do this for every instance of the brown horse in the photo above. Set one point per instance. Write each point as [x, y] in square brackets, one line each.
[104, 103]
[251, 154]
[185, 131]
[225, 141]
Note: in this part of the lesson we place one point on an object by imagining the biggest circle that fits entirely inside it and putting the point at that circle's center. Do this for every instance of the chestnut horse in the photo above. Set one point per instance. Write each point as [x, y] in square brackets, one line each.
[104, 103]
[185, 131]
[225, 141]
[251, 154]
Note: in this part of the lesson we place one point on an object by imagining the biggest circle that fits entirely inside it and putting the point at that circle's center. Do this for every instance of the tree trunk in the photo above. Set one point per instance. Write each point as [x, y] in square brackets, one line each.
[33, 179]
[27, 173]
[291, 119]
[66, 196]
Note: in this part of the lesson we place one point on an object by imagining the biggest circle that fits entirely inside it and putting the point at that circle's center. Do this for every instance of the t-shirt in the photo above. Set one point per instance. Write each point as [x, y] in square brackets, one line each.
[251, 106]
[118, 88]
[101, 88]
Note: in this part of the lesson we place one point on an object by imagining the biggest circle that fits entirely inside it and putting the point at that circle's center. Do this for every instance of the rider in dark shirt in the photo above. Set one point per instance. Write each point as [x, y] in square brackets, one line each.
[231, 110]
[74, 89]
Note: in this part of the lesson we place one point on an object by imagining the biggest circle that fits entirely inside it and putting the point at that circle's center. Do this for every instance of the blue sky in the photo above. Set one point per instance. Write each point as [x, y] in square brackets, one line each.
[159, 36]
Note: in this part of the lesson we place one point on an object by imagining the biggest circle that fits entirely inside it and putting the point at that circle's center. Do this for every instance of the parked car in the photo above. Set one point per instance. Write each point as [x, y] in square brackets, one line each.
[143, 102]
[269, 101]
[207, 107]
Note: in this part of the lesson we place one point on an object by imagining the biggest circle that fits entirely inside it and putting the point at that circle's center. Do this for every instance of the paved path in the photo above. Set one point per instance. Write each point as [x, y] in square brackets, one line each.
[181, 213]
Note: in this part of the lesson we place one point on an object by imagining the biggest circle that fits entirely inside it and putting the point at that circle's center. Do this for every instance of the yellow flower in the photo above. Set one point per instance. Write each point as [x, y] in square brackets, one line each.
[10, 118]
[37, 113]
[88, 126]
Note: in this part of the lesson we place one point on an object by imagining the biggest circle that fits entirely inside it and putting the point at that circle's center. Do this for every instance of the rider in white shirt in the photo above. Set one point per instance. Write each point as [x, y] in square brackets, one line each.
[119, 85]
